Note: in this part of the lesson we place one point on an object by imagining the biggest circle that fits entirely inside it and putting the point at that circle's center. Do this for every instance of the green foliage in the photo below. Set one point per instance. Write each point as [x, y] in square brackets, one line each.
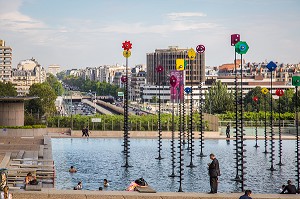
[55, 84]
[24, 127]
[102, 88]
[218, 99]
[286, 101]
[252, 116]
[61, 75]
[45, 104]
[115, 122]
[7, 89]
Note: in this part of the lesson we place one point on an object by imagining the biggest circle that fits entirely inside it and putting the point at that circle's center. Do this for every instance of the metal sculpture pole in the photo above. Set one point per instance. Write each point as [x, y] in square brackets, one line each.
[241, 48]
[192, 56]
[180, 147]
[297, 140]
[265, 92]
[173, 81]
[296, 83]
[159, 70]
[279, 93]
[187, 91]
[272, 66]
[126, 53]
[255, 99]
[201, 49]
[235, 38]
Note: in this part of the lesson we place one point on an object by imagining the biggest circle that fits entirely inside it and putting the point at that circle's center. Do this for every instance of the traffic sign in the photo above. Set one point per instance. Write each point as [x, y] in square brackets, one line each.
[120, 94]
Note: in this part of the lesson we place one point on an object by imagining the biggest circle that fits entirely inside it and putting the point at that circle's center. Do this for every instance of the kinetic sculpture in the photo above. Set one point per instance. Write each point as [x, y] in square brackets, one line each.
[159, 70]
[279, 92]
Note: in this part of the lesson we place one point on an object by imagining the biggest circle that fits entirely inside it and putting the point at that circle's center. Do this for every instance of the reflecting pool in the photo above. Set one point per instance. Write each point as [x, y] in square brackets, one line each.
[99, 158]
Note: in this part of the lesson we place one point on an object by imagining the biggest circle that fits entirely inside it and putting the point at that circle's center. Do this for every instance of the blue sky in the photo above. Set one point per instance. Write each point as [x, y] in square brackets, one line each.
[82, 33]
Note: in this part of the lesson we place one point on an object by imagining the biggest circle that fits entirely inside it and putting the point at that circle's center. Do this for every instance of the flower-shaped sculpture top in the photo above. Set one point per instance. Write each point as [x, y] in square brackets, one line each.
[159, 69]
[188, 90]
[255, 99]
[173, 81]
[296, 80]
[279, 92]
[191, 54]
[124, 79]
[200, 48]
[127, 45]
[235, 38]
[264, 91]
[126, 53]
[241, 47]
[271, 66]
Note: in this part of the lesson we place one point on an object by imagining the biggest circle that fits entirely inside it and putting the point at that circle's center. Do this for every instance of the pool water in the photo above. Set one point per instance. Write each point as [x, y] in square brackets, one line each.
[99, 158]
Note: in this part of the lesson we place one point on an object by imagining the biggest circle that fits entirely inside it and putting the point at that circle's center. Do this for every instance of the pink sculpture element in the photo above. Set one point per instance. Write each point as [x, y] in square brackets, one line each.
[173, 81]
[235, 38]
[200, 48]
[124, 79]
[127, 45]
[159, 69]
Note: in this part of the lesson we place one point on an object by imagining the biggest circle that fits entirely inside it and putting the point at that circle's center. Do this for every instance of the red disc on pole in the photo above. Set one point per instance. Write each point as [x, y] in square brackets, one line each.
[124, 79]
[173, 81]
[255, 98]
[279, 92]
[127, 45]
[159, 69]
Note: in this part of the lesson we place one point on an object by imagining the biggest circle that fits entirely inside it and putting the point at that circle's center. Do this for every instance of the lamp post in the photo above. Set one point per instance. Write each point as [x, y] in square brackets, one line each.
[126, 53]
[200, 50]
[279, 93]
[271, 66]
[192, 56]
[255, 99]
[159, 70]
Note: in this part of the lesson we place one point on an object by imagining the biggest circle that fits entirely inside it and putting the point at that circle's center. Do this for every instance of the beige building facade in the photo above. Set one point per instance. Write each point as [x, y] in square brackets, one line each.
[54, 69]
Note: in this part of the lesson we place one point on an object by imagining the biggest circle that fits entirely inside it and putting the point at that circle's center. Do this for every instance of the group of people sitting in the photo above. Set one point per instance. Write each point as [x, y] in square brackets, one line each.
[289, 188]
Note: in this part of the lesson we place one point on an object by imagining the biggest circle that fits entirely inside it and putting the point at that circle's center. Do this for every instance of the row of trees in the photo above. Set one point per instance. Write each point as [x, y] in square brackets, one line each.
[218, 100]
[102, 88]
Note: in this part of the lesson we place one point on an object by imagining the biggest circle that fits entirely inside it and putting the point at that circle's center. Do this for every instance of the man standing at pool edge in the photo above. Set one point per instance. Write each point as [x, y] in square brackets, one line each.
[214, 172]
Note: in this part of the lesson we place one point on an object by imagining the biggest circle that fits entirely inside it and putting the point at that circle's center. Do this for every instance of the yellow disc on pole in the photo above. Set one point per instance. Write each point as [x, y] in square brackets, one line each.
[126, 53]
[192, 54]
[264, 91]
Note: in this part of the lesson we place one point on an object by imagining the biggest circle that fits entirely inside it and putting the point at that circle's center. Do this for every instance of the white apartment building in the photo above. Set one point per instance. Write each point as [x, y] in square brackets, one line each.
[5, 62]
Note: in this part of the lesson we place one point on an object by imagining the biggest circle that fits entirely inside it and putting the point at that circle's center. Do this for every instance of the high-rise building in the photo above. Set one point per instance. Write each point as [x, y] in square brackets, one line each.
[167, 59]
[5, 62]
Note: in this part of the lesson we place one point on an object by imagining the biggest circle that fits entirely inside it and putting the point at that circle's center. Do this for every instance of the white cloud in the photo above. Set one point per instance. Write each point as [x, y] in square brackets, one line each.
[183, 15]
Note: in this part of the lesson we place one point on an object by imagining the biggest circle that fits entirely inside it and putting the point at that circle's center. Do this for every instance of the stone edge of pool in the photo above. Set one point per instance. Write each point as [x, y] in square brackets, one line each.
[70, 194]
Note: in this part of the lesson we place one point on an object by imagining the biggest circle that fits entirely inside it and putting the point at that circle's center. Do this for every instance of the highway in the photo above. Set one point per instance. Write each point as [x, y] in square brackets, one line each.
[99, 108]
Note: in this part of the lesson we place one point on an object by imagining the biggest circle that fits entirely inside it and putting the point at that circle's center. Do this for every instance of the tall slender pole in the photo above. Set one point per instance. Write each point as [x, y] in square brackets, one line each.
[180, 147]
[271, 128]
[159, 120]
[279, 133]
[256, 118]
[201, 111]
[297, 142]
[265, 123]
[172, 141]
[191, 165]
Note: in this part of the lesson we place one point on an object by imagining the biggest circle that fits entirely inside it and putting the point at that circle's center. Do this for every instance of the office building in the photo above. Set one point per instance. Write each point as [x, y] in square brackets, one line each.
[5, 62]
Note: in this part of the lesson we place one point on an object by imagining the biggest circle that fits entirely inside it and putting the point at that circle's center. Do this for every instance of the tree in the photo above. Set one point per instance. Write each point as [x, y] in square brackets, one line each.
[250, 105]
[55, 84]
[45, 104]
[286, 101]
[7, 89]
[61, 75]
[218, 99]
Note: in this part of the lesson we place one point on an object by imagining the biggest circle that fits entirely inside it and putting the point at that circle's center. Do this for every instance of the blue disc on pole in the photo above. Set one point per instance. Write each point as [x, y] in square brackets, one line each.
[188, 90]
[271, 66]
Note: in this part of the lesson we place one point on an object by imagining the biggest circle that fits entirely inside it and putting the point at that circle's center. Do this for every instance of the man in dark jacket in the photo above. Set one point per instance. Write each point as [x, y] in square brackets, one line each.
[214, 172]
[291, 189]
[247, 195]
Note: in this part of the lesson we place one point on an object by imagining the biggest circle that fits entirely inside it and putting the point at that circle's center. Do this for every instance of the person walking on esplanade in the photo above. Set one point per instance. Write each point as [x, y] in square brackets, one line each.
[228, 130]
[214, 173]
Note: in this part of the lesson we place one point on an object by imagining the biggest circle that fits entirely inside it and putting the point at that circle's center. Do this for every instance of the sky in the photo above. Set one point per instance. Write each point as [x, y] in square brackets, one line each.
[89, 33]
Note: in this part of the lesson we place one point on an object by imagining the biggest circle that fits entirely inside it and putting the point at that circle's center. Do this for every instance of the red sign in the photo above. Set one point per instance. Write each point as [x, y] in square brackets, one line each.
[279, 92]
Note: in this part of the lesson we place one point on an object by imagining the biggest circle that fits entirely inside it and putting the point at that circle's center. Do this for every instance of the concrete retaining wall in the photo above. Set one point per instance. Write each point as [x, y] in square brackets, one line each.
[68, 194]
[141, 134]
[25, 132]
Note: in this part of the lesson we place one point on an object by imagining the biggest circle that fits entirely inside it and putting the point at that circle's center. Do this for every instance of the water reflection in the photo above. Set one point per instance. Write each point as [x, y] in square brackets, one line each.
[96, 159]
